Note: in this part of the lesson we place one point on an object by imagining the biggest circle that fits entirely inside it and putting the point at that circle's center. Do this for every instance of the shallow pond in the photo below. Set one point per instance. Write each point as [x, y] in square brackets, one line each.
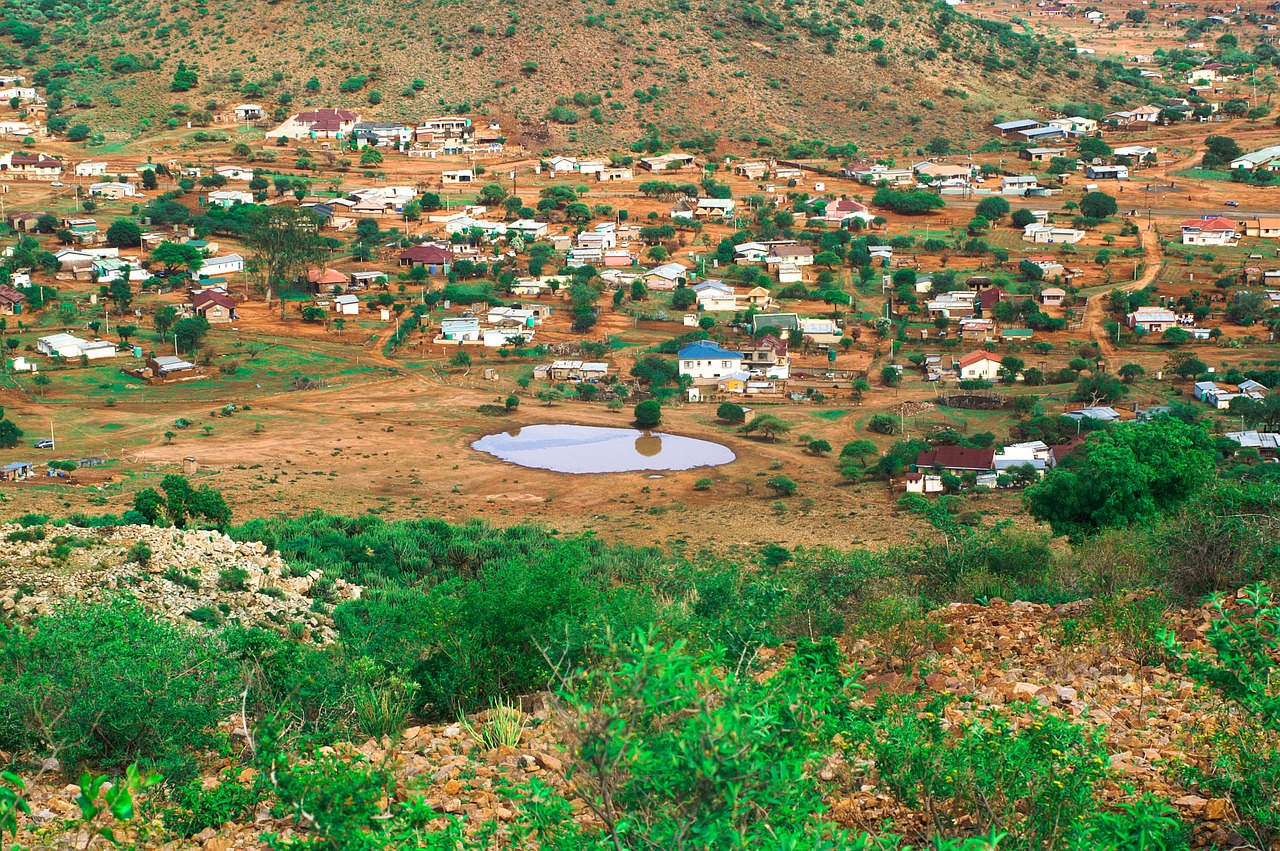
[592, 449]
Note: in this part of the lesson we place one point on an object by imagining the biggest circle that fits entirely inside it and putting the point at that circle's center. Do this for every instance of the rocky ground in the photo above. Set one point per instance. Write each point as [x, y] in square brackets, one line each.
[187, 573]
[1151, 719]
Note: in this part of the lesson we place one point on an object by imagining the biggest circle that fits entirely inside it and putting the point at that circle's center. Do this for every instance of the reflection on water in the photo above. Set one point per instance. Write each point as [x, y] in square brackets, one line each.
[592, 449]
[649, 445]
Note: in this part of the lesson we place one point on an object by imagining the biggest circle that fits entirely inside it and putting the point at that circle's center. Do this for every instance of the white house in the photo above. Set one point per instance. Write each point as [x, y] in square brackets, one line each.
[528, 228]
[248, 112]
[562, 165]
[229, 198]
[979, 366]
[234, 172]
[90, 169]
[1209, 230]
[217, 266]
[460, 328]
[1018, 184]
[715, 295]
[347, 304]
[1154, 320]
[705, 359]
[1268, 158]
[113, 190]
[70, 347]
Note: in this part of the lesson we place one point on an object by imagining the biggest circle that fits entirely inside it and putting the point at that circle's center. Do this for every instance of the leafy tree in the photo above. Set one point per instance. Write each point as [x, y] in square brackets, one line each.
[370, 156]
[858, 450]
[1093, 148]
[731, 413]
[992, 208]
[1132, 473]
[1131, 372]
[1220, 151]
[121, 293]
[10, 434]
[149, 181]
[78, 132]
[818, 447]
[781, 486]
[176, 255]
[767, 425]
[189, 332]
[648, 413]
[1098, 205]
[1010, 368]
[285, 242]
[184, 79]
[1022, 217]
[1098, 389]
[890, 376]
[124, 233]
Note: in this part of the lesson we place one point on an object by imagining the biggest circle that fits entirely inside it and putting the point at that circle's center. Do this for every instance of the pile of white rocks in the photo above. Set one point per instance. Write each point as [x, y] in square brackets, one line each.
[189, 576]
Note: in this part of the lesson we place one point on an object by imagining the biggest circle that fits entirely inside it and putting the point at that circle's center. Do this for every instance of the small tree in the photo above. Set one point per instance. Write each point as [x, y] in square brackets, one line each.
[818, 447]
[1098, 205]
[781, 486]
[731, 413]
[1131, 372]
[648, 413]
[767, 425]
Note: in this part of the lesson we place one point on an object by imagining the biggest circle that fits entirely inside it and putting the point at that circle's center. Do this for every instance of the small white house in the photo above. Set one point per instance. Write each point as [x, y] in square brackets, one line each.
[218, 266]
[705, 359]
[90, 169]
[229, 198]
[114, 190]
[346, 305]
[460, 328]
[979, 366]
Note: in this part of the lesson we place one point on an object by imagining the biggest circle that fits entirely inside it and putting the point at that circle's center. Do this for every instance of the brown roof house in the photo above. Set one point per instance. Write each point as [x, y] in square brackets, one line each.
[215, 307]
[957, 459]
[326, 280]
[11, 301]
[435, 259]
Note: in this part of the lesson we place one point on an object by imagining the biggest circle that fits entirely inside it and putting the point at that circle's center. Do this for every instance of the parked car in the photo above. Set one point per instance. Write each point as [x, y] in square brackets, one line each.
[1231, 203]
[44, 444]
[57, 183]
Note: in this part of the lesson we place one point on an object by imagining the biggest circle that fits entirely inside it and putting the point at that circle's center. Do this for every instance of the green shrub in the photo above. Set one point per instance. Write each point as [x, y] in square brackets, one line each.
[233, 579]
[108, 684]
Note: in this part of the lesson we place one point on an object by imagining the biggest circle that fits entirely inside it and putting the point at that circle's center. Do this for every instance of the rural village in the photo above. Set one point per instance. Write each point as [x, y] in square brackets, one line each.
[481, 467]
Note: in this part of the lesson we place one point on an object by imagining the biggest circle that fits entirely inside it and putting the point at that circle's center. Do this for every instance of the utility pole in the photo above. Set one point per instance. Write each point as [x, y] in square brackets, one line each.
[52, 439]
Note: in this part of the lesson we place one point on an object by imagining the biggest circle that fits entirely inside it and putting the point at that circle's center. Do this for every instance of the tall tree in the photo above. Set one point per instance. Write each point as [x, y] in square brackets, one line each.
[284, 242]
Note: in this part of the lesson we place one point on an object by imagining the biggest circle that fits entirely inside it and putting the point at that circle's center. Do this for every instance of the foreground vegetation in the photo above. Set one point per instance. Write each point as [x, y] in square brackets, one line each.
[700, 697]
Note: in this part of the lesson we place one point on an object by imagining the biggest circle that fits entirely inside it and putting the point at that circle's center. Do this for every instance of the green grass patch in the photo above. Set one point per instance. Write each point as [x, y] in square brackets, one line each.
[829, 416]
[1204, 174]
[111, 426]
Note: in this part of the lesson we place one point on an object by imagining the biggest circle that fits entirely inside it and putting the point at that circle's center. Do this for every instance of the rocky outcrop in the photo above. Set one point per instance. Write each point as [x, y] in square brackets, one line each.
[187, 575]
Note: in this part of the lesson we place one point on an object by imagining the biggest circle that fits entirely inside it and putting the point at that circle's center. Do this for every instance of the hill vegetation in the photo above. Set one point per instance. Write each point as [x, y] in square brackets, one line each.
[772, 73]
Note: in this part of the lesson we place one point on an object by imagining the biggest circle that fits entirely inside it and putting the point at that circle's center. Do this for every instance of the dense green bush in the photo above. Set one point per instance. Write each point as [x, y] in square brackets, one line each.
[109, 684]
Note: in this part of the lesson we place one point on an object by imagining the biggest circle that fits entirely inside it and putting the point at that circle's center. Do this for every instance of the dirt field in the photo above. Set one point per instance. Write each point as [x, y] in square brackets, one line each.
[392, 434]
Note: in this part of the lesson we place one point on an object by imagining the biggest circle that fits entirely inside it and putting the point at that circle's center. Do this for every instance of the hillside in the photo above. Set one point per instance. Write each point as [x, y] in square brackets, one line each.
[898, 72]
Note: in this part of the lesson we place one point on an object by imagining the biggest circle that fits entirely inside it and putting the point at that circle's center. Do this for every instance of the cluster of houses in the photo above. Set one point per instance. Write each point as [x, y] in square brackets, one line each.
[501, 326]
[716, 372]
[444, 135]
[1219, 398]
[990, 467]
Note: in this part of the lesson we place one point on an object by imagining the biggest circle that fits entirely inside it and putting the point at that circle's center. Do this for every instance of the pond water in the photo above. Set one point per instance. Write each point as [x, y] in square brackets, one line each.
[592, 449]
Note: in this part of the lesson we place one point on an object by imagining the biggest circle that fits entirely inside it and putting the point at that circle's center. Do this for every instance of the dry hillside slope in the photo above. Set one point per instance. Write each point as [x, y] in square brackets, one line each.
[889, 73]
